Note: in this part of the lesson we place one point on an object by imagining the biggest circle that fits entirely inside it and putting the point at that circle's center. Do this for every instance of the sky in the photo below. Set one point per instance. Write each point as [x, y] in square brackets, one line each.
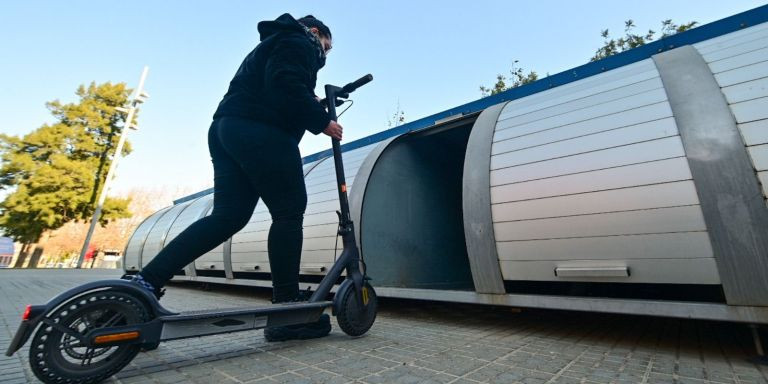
[425, 57]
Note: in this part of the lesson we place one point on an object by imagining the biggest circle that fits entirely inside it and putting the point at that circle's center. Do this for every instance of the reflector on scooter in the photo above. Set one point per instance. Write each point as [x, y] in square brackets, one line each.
[27, 311]
[116, 337]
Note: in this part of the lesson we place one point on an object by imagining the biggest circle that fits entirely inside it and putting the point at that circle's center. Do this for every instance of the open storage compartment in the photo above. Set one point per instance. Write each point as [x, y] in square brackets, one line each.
[411, 226]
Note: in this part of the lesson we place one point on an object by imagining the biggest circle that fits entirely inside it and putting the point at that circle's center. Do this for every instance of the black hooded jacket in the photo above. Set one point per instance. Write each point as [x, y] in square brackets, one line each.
[276, 81]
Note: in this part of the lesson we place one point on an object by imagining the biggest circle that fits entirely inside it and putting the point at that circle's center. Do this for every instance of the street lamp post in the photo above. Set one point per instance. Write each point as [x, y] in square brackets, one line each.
[139, 96]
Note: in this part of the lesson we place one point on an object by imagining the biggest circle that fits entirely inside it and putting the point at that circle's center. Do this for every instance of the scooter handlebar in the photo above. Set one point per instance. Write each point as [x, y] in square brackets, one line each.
[351, 87]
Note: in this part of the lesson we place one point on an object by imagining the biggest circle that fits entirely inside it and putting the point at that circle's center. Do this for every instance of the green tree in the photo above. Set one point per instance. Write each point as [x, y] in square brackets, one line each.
[56, 172]
[517, 78]
[610, 47]
[632, 40]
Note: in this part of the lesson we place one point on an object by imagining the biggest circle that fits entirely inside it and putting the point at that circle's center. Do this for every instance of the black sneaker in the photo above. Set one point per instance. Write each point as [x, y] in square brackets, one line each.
[319, 328]
[138, 279]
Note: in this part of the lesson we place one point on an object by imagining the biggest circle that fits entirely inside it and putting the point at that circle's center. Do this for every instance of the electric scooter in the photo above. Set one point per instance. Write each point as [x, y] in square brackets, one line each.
[90, 332]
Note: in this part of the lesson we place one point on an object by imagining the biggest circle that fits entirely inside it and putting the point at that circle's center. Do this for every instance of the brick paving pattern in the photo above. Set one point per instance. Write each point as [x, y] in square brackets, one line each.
[415, 342]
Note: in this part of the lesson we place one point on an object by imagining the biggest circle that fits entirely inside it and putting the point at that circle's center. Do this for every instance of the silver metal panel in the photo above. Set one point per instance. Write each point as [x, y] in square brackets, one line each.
[321, 206]
[260, 266]
[754, 133]
[331, 172]
[595, 271]
[208, 264]
[754, 89]
[730, 196]
[661, 220]
[728, 40]
[742, 74]
[249, 246]
[759, 156]
[307, 168]
[675, 309]
[357, 197]
[587, 87]
[476, 203]
[620, 119]
[657, 271]
[132, 258]
[208, 199]
[615, 138]
[605, 109]
[643, 115]
[684, 245]
[739, 61]
[156, 237]
[747, 44]
[261, 246]
[751, 110]
[313, 210]
[616, 78]
[763, 176]
[327, 185]
[656, 172]
[194, 211]
[216, 254]
[622, 93]
[627, 199]
[320, 229]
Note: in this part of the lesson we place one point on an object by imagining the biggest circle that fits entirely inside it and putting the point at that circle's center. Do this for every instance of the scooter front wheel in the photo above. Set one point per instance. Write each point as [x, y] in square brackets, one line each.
[353, 318]
[57, 353]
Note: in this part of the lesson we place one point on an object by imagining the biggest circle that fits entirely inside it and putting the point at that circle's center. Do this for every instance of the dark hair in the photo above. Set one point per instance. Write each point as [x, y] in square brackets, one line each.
[310, 21]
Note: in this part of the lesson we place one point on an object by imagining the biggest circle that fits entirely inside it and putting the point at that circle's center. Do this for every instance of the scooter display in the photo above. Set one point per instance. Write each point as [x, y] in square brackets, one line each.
[90, 332]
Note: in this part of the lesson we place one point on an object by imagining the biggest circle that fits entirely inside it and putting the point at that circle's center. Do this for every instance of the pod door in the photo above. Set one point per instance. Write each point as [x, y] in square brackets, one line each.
[412, 233]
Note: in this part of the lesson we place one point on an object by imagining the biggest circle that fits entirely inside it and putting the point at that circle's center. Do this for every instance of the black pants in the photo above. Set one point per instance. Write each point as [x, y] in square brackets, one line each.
[250, 160]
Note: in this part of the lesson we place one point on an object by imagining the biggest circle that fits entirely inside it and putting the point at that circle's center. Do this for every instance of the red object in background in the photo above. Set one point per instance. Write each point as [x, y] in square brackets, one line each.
[89, 253]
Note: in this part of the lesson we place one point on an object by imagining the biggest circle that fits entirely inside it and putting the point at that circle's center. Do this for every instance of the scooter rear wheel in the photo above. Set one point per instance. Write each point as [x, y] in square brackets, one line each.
[353, 319]
[57, 356]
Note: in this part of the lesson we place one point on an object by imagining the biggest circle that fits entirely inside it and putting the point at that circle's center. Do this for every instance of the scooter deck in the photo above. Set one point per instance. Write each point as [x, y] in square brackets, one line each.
[217, 320]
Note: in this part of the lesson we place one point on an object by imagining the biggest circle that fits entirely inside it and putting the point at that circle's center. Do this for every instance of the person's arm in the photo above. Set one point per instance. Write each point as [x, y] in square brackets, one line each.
[288, 73]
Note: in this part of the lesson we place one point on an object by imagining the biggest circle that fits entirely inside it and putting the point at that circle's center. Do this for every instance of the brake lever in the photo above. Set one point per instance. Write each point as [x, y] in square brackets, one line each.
[339, 102]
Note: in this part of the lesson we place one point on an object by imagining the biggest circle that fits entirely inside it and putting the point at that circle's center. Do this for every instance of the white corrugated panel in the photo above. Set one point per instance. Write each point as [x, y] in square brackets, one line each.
[661, 220]
[616, 78]
[673, 271]
[759, 155]
[607, 158]
[656, 172]
[752, 110]
[136, 242]
[627, 199]
[593, 100]
[686, 245]
[746, 91]
[320, 219]
[739, 61]
[215, 255]
[738, 46]
[509, 128]
[755, 133]
[733, 38]
[156, 237]
[658, 129]
[742, 74]
[192, 213]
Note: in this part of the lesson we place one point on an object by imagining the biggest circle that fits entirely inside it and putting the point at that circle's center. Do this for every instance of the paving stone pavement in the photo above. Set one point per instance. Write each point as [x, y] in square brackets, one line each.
[414, 342]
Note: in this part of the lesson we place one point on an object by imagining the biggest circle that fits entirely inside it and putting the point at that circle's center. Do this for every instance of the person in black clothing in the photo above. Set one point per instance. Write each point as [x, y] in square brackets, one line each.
[253, 142]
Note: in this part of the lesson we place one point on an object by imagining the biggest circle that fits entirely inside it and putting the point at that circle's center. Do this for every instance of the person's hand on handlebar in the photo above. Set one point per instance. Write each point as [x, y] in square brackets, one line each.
[333, 130]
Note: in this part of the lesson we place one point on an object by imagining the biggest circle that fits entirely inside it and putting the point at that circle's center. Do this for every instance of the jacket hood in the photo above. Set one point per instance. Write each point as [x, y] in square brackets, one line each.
[284, 23]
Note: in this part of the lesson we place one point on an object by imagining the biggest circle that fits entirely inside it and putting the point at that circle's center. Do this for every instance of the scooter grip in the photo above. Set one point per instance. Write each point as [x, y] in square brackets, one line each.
[351, 87]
